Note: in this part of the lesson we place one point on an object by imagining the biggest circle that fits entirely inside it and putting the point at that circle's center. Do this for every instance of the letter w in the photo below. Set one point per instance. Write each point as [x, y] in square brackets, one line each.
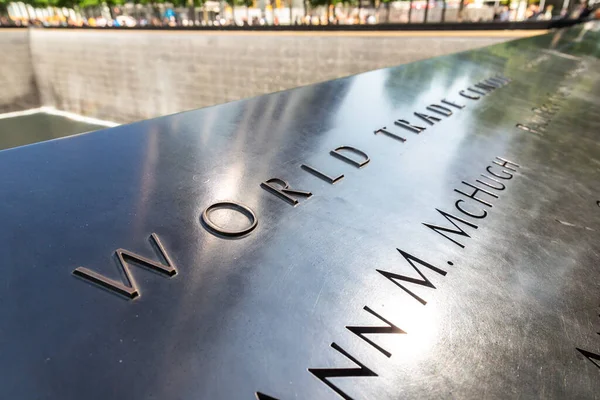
[324, 373]
[423, 282]
[360, 331]
[130, 289]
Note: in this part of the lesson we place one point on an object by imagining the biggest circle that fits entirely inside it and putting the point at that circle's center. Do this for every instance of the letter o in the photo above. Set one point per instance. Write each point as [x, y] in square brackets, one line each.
[219, 230]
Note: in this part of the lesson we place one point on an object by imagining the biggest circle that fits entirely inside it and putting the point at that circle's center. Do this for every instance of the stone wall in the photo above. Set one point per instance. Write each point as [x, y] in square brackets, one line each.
[18, 89]
[128, 76]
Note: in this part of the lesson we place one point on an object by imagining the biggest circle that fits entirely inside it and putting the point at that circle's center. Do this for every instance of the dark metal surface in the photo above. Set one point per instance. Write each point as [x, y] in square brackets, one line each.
[222, 317]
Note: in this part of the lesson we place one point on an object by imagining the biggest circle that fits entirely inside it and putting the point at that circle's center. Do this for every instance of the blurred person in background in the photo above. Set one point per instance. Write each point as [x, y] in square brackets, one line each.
[502, 14]
[533, 12]
[548, 13]
[586, 10]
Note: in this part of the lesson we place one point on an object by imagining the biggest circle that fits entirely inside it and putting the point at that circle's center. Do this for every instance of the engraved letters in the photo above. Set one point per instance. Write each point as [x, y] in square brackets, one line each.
[394, 277]
[428, 118]
[322, 175]
[487, 85]
[445, 111]
[130, 289]
[407, 125]
[505, 163]
[477, 91]
[494, 185]
[474, 194]
[544, 114]
[450, 103]
[323, 374]
[526, 128]
[284, 191]
[222, 231]
[339, 153]
[468, 96]
[505, 174]
[475, 198]
[360, 331]
[262, 396]
[462, 210]
[390, 134]
[594, 358]
[458, 231]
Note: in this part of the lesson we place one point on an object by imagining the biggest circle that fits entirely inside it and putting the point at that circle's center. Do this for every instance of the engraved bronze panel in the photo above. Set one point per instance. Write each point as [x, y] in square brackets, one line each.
[461, 262]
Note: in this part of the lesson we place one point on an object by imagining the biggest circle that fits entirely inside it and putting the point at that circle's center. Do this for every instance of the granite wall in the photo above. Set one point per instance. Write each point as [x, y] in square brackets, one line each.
[127, 76]
[18, 90]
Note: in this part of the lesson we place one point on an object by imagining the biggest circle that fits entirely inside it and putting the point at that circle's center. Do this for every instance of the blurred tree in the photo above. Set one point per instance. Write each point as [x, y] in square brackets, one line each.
[3, 6]
[63, 3]
[89, 3]
[38, 3]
